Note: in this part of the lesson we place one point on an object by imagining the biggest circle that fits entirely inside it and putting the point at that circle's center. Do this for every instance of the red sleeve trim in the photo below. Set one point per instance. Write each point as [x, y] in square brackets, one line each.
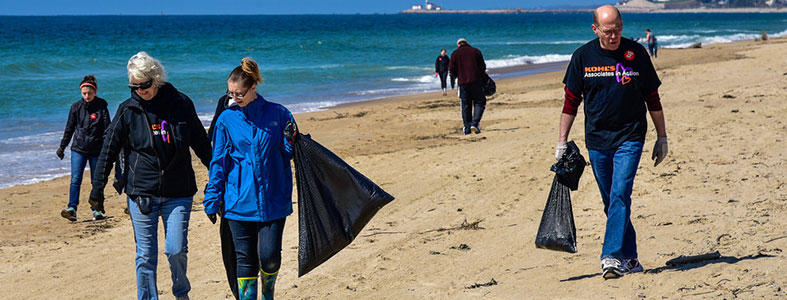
[653, 101]
[571, 105]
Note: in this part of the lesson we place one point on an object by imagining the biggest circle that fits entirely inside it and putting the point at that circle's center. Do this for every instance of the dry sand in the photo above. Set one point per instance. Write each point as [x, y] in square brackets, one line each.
[722, 188]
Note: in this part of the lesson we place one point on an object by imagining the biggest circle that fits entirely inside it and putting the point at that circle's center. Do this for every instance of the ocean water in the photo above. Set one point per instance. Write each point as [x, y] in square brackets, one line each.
[309, 62]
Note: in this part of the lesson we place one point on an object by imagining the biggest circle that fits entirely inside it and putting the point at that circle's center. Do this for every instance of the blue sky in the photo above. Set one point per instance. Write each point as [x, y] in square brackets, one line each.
[203, 7]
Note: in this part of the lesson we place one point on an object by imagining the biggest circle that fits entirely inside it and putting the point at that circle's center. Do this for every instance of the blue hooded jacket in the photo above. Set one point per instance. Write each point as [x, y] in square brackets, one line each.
[250, 171]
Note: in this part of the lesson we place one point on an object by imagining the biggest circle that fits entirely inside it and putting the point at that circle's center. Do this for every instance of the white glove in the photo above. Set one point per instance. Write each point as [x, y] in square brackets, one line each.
[660, 150]
[560, 149]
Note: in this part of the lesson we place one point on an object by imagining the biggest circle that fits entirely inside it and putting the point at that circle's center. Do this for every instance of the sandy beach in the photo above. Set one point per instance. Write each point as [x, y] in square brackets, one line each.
[467, 208]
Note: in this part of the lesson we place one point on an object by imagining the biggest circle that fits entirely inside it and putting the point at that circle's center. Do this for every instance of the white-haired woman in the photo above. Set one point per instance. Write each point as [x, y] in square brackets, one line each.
[155, 127]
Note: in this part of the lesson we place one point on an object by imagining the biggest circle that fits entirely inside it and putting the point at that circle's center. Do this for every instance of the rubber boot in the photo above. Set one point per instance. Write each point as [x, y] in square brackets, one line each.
[268, 281]
[247, 288]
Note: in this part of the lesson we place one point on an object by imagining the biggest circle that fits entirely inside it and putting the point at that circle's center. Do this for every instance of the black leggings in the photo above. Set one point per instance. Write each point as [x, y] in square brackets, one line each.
[257, 244]
[443, 75]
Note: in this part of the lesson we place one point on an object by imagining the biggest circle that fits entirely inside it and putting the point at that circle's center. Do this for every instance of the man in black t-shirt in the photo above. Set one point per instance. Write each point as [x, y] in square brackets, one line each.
[616, 79]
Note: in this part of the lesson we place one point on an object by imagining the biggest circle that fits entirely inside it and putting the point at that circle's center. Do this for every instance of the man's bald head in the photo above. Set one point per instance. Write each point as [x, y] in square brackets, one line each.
[605, 12]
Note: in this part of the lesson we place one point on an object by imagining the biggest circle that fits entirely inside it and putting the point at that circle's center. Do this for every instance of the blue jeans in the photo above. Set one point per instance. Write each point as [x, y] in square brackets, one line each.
[78, 162]
[175, 212]
[257, 246]
[653, 49]
[615, 170]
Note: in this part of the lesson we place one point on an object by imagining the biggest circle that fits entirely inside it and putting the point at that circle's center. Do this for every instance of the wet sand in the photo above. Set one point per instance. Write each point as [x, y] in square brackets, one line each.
[722, 188]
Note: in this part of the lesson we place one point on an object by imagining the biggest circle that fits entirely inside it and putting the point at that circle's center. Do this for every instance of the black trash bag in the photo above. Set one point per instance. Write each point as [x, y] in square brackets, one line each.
[334, 202]
[490, 88]
[570, 166]
[557, 230]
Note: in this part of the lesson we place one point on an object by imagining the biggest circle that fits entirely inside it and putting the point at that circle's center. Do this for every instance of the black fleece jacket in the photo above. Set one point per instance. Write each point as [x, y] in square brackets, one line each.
[86, 123]
[133, 131]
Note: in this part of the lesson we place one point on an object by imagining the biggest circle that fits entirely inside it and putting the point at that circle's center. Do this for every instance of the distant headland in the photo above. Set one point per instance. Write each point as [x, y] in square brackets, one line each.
[665, 6]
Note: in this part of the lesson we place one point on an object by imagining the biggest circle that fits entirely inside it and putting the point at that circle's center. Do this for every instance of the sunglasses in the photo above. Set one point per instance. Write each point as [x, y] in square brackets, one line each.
[237, 96]
[141, 86]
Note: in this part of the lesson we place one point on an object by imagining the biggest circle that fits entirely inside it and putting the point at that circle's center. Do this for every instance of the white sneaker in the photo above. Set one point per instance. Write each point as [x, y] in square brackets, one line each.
[612, 268]
[633, 265]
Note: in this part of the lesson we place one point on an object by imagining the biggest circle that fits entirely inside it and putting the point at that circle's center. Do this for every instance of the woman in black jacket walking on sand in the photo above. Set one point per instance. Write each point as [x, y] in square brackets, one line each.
[441, 69]
[86, 123]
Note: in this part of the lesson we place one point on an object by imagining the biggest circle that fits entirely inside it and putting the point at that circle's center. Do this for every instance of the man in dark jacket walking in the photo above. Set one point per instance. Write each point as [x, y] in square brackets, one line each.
[467, 63]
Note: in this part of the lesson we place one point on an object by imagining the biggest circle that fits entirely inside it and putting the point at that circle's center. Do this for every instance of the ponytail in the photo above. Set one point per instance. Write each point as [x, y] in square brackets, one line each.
[247, 74]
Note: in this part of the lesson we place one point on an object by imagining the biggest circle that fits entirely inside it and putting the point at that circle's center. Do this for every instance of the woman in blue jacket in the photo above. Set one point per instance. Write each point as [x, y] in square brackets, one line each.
[251, 179]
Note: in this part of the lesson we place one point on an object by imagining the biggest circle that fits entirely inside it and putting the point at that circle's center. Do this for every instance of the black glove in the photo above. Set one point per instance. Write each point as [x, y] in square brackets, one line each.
[96, 200]
[60, 153]
[290, 131]
[212, 218]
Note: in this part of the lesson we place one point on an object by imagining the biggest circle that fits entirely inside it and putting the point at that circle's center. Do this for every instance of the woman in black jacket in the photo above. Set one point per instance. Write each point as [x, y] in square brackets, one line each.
[441, 69]
[155, 129]
[86, 123]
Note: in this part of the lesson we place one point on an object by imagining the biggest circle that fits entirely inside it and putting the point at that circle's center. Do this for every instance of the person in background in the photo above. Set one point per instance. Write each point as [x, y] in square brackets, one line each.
[441, 69]
[227, 243]
[467, 64]
[652, 46]
[616, 79]
[86, 123]
[251, 179]
[155, 128]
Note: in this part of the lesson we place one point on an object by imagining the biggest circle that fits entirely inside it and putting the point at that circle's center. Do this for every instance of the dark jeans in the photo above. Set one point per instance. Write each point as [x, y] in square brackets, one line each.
[78, 162]
[443, 82]
[257, 246]
[473, 103]
[653, 49]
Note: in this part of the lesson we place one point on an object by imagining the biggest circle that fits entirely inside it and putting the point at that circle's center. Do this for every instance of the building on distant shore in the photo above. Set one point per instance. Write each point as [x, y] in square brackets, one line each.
[427, 6]
[646, 5]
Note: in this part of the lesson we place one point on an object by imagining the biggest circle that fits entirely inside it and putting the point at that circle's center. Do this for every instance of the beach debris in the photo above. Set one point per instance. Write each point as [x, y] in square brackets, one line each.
[478, 285]
[434, 252]
[778, 238]
[463, 247]
[735, 111]
[464, 226]
[680, 260]
[727, 96]
[696, 45]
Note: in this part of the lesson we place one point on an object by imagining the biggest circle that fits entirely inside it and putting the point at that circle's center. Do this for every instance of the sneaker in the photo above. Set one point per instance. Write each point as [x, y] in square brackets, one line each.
[633, 265]
[465, 131]
[69, 213]
[98, 216]
[475, 130]
[612, 268]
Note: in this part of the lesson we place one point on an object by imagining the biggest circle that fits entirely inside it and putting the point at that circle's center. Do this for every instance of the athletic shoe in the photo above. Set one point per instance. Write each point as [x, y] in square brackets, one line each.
[465, 131]
[612, 268]
[98, 216]
[475, 130]
[633, 265]
[69, 213]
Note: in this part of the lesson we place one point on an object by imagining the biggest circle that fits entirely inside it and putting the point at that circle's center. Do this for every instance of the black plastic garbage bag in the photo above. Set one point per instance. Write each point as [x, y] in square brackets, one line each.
[557, 231]
[334, 202]
[570, 167]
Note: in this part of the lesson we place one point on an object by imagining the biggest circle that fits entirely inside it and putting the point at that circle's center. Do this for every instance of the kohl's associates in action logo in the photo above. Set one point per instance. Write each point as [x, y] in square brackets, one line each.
[621, 73]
